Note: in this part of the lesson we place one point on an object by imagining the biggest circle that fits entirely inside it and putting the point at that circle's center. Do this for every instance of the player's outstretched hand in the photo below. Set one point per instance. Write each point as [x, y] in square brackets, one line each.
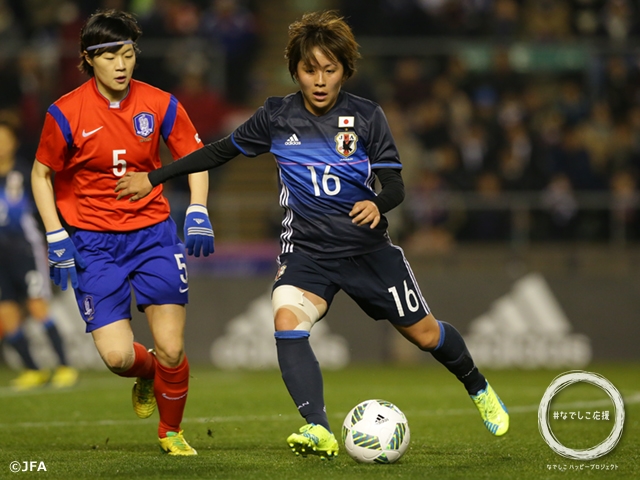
[365, 212]
[198, 232]
[63, 258]
[135, 185]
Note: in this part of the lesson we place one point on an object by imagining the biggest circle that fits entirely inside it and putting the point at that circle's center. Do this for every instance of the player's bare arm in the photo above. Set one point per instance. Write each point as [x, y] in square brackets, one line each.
[135, 185]
[365, 212]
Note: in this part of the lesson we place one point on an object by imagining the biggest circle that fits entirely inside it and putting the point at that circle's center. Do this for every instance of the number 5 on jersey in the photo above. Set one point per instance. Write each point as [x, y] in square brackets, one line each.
[119, 164]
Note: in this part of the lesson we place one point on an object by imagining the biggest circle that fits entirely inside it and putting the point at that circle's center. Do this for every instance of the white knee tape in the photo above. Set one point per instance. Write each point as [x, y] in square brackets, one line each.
[289, 297]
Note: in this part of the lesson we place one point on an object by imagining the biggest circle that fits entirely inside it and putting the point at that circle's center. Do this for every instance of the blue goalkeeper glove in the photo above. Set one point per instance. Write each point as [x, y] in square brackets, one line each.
[63, 258]
[198, 232]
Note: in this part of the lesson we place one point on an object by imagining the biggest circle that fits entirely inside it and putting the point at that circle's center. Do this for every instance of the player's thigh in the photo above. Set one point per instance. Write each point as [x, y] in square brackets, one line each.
[160, 275]
[114, 343]
[384, 286]
[103, 294]
[309, 277]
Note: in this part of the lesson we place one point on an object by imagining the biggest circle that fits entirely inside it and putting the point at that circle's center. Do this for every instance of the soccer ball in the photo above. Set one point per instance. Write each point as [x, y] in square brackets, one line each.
[375, 431]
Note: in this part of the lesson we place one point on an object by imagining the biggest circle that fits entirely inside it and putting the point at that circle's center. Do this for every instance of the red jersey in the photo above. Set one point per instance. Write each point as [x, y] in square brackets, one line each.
[90, 143]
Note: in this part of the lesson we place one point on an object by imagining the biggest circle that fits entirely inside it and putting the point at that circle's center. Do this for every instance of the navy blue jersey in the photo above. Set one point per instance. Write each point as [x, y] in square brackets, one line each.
[325, 166]
[17, 219]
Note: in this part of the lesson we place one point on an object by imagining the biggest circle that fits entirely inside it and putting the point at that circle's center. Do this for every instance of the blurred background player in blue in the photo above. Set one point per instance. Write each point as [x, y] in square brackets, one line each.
[109, 125]
[24, 288]
[330, 146]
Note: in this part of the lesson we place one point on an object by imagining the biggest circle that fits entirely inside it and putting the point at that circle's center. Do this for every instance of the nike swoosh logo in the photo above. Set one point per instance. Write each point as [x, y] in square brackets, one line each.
[174, 398]
[86, 134]
[182, 290]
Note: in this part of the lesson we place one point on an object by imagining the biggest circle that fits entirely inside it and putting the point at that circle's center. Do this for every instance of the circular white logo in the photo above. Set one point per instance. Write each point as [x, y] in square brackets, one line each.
[559, 383]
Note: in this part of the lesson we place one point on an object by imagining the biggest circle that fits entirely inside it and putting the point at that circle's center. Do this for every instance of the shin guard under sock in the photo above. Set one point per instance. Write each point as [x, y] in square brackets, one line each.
[302, 376]
[170, 387]
[452, 352]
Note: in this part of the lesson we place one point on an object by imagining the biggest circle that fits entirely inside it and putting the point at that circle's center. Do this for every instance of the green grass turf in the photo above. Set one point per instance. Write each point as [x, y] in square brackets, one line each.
[238, 422]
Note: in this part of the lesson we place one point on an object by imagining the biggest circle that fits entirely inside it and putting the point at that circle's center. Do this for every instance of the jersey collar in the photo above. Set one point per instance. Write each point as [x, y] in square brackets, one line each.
[112, 105]
[341, 99]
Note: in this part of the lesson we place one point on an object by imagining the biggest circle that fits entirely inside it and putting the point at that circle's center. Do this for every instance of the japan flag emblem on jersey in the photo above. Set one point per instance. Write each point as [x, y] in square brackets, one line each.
[144, 124]
[346, 143]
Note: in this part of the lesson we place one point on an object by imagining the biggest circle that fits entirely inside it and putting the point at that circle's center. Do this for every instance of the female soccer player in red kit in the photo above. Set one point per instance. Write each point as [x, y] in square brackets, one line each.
[91, 137]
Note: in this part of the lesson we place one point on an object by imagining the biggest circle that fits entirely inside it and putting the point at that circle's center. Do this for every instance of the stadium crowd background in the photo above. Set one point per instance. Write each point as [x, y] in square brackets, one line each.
[514, 118]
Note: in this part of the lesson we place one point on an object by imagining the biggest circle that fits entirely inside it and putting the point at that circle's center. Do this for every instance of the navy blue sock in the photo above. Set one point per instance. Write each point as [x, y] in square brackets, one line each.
[452, 352]
[56, 340]
[21, 345]
[302, 376]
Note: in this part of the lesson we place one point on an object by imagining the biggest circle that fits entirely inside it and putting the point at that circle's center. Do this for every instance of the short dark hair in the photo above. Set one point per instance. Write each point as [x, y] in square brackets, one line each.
[106, 26]
[330, 33]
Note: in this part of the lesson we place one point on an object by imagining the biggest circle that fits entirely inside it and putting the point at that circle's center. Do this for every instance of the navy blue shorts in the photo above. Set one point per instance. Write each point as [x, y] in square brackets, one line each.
[150, 262]
[24, 272]
[381, 283]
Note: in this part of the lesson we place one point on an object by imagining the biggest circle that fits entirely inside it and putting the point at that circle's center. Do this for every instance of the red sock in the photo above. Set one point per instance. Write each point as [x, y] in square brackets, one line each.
[144, 363]
[170, 387]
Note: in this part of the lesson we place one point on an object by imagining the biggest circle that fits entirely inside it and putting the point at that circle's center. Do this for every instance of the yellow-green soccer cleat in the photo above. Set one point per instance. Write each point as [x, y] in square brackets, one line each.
[492, 410]
[31, 379]
[175, 444]
[64, 377]
[315, 440]
[143, 398]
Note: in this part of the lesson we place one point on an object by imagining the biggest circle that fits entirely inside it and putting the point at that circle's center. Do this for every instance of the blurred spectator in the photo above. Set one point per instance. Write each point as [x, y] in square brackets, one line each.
[429, 215]
[619, 86]
[547, 20]
[560, 210]
[234, 29]
[170, 30]
[409, 83]
[68, 22]
[585, 20]
[625, 221]
[430, 124]
[519, 161]
[618, 19]
[449, 166]
[487, 218]
[36, 94]
[572, 103]
[572, 159]
[623, 155]
[505, 18]
[206, 107]
[597, 134]
[476, 149]
[501, 76]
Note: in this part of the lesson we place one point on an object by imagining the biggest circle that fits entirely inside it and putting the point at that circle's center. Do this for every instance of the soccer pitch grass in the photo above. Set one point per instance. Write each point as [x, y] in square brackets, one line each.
[238, 422]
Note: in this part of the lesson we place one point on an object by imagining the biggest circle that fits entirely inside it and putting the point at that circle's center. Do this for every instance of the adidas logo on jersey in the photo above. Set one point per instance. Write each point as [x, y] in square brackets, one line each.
[199, 220]
[59, 253]
[293, 140]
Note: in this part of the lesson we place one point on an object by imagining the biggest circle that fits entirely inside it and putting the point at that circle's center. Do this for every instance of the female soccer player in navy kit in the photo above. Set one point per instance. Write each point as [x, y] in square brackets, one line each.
[92, 136]
[329, 146]
[23, 271]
